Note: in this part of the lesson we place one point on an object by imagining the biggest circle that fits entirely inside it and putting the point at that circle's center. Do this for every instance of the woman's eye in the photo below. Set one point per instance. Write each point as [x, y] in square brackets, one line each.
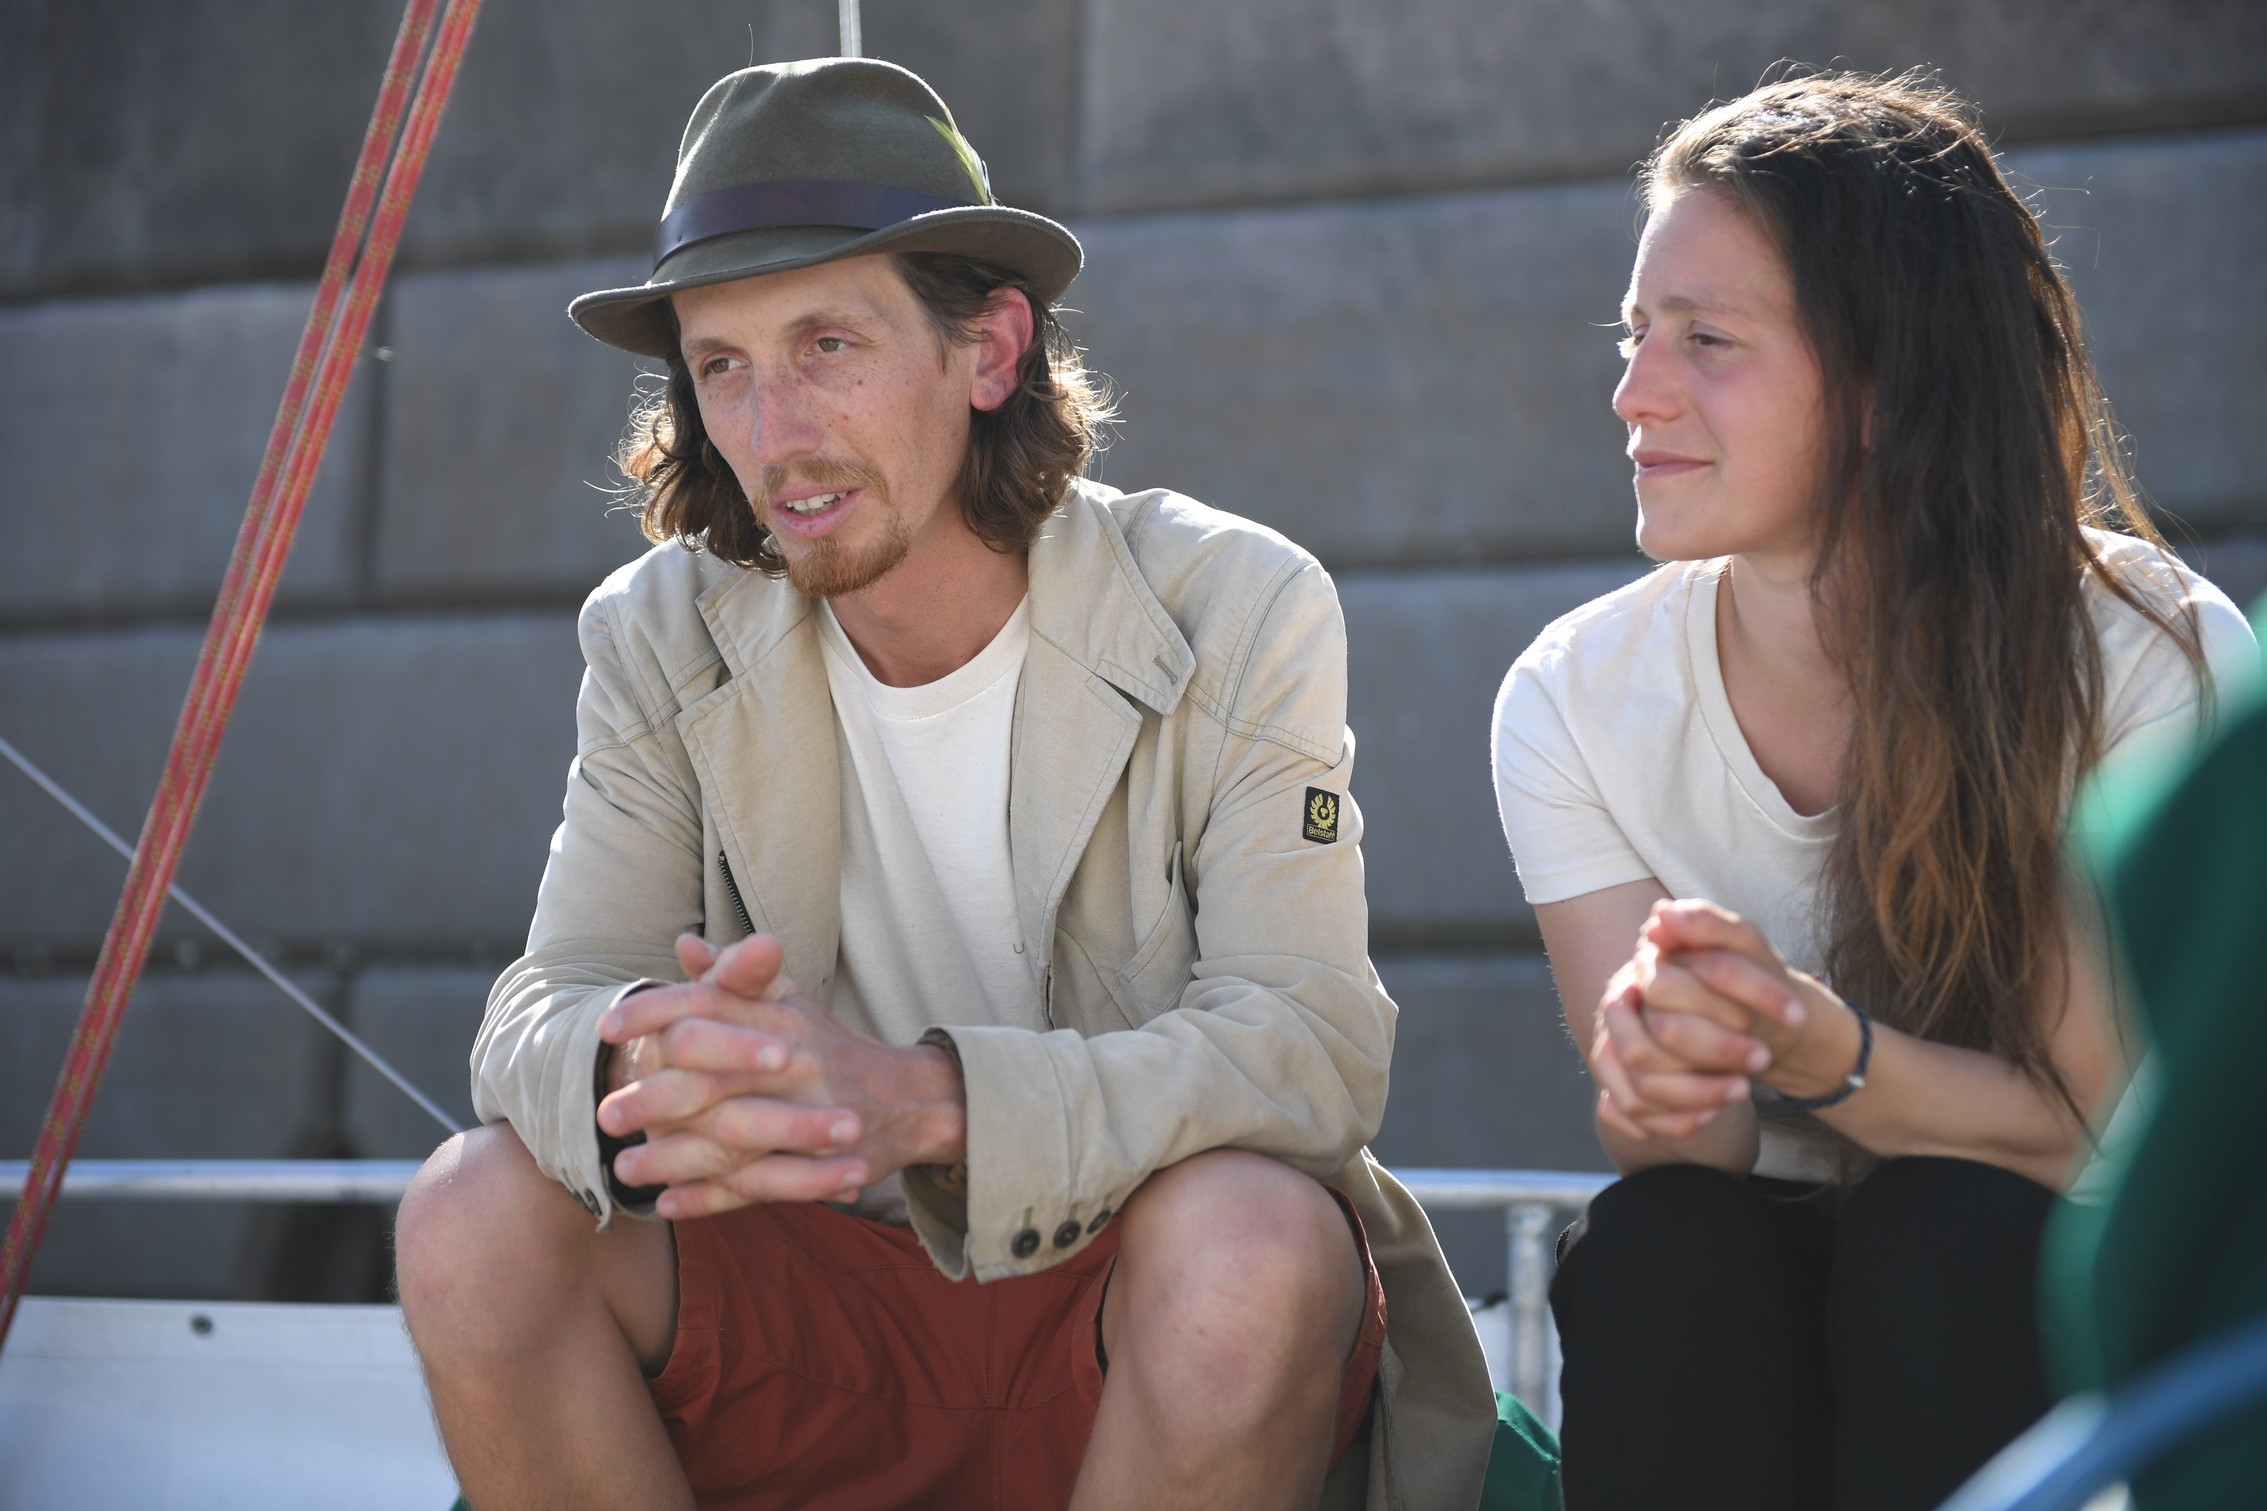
[1626, 342]
[1703, 338]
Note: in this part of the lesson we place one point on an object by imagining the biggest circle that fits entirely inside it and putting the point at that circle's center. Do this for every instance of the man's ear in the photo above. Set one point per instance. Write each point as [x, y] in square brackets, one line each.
[1003, 333]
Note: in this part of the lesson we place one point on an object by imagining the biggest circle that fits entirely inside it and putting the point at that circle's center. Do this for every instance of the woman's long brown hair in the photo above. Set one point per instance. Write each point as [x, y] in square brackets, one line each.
[1967, 448]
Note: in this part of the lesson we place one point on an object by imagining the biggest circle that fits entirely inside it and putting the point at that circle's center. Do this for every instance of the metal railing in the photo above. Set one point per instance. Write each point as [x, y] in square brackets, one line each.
[1534, 1203]
[1529, 1199]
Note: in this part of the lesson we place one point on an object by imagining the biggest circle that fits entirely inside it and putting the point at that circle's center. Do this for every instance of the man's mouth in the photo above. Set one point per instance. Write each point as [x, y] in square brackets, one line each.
[809, 518]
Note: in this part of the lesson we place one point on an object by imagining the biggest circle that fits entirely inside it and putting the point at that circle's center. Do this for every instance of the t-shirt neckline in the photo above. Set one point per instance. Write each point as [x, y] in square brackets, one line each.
[1723, 725]
[1000, 658]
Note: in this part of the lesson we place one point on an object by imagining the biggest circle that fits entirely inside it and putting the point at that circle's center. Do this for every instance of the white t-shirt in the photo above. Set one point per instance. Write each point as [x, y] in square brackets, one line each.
[1617, 757]
[930, 932]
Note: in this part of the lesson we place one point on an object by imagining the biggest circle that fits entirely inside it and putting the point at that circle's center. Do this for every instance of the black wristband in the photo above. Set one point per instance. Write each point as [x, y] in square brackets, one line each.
[1851, 1082]
[635, 1198]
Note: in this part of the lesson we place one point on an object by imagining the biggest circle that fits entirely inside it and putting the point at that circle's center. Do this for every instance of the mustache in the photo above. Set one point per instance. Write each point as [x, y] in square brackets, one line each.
[826, 477]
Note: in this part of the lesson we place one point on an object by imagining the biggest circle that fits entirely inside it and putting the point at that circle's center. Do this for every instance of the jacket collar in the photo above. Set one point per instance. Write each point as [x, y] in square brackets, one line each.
[1089, 601]
[763, 744]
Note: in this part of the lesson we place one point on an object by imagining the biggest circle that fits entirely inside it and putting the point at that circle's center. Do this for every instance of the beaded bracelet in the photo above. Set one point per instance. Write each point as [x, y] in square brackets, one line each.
[1851, 1082]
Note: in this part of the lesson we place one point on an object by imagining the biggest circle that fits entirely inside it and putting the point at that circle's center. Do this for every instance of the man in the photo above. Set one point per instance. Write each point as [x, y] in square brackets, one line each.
[956, 931]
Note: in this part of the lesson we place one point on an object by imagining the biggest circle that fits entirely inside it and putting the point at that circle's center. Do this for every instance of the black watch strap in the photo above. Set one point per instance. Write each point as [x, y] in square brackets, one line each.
[635, 1198]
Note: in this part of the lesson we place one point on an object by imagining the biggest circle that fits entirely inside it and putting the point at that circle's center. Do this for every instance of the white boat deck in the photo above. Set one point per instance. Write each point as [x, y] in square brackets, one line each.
[255, 1406]
[200, 1406]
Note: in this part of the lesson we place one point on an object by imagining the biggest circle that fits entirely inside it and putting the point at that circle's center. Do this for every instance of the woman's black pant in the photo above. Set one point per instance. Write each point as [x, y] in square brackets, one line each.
[1761, 1345]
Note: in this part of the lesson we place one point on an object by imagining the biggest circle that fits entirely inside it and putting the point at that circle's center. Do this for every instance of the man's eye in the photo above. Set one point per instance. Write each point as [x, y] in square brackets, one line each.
[830, 344]
[1626, 342]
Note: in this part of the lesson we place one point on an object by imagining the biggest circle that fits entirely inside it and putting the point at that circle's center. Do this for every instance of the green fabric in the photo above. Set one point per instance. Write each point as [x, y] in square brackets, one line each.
[2177, 1251]
[1523, 1468]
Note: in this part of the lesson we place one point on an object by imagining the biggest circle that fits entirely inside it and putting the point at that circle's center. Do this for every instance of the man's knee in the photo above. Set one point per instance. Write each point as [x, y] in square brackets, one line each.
[478, 1202]
[1259, 1266]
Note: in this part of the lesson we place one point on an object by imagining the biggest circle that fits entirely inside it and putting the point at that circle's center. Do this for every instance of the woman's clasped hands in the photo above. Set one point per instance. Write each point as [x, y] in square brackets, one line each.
[1705, 1006]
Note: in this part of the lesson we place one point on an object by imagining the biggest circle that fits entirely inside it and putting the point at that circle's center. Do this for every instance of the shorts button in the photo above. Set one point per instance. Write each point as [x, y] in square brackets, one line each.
[1100, 1218]
[1067, 1234]
[1026, 1244]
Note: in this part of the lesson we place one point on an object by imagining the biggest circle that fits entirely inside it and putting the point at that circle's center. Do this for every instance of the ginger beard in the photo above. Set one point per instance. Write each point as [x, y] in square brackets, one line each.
[824, 568]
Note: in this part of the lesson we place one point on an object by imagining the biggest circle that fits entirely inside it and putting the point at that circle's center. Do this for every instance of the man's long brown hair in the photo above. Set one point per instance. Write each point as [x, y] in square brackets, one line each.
[1021, 456]
[1967, 447]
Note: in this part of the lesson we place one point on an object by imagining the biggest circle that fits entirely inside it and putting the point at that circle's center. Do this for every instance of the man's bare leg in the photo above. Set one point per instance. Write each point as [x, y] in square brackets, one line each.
[536, 1331]
[1235, 1303]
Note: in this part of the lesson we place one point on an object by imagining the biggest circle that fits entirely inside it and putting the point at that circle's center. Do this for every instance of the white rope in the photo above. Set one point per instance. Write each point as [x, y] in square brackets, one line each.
[853, 33]
[229, 936]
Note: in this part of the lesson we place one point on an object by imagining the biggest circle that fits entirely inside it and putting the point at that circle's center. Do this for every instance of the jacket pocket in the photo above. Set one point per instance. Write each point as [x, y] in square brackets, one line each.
[1154, 976]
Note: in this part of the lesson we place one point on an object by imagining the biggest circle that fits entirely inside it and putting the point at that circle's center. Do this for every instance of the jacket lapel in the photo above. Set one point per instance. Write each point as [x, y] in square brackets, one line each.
[1101, 644]
[763, 745]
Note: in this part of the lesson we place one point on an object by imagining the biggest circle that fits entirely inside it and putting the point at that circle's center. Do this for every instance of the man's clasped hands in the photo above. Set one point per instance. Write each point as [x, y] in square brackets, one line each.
[1705, 1006]
[747, 1091]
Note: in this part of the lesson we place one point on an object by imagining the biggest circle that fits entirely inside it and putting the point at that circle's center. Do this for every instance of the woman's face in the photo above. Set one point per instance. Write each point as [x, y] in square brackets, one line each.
[1722, 396]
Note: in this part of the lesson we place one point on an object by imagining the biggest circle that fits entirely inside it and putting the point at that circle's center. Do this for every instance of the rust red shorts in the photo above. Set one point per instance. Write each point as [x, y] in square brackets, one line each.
[823, 1362]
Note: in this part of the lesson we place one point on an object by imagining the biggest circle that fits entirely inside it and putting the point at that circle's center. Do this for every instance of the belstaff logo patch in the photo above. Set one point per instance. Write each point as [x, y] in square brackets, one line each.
[1322, 816]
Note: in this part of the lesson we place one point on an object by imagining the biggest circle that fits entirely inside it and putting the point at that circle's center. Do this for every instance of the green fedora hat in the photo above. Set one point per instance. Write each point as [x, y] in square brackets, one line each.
[793, 164]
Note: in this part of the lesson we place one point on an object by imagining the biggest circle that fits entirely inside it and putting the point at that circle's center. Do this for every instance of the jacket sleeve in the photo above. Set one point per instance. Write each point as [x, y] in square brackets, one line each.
[1281, 1036]
[631, 811]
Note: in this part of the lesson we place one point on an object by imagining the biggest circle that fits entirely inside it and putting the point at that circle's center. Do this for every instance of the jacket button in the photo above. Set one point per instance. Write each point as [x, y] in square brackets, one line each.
[1067, 1234]
[1100, 1218]
[1026, 1243]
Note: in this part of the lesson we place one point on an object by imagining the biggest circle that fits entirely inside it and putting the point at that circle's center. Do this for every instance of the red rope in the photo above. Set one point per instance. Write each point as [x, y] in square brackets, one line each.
[369, 229]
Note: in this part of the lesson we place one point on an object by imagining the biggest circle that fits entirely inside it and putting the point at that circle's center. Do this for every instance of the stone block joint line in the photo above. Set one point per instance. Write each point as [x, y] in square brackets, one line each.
[419, 75]
[233, 940]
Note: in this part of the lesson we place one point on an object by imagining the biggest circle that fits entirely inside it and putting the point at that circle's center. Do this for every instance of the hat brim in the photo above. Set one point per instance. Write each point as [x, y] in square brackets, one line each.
[637, 319]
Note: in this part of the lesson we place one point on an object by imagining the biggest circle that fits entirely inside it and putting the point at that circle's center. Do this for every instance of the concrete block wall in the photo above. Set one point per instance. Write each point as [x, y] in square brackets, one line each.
[1349, 267]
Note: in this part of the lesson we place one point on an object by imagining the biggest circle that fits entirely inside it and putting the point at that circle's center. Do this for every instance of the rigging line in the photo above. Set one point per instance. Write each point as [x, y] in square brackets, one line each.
[229, 937]
[262, 543]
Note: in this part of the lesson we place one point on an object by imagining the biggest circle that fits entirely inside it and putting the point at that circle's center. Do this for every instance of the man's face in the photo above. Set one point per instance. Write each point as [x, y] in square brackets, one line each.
[841, 410]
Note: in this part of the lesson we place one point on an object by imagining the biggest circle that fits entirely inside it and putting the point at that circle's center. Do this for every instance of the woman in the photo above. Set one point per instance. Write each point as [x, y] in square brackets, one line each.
[1845, 718]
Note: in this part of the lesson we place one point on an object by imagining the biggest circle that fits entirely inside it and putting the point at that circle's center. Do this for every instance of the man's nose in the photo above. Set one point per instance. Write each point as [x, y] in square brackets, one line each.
[780, 427]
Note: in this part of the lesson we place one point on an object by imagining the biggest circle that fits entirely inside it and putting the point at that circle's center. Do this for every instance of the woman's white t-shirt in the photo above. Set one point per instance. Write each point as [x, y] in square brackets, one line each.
[1618, 759]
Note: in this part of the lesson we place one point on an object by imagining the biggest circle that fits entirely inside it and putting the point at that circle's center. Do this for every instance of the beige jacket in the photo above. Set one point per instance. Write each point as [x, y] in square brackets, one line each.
[1196, 915]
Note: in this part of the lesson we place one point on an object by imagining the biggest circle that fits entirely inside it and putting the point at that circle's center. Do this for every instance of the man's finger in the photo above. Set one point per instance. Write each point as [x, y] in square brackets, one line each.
[652, 1010]
[668, 1095]
[750, 968]
[675, 1159]
[778, 1177]
[694, 956]
[728, 1048]
[758, 1125]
